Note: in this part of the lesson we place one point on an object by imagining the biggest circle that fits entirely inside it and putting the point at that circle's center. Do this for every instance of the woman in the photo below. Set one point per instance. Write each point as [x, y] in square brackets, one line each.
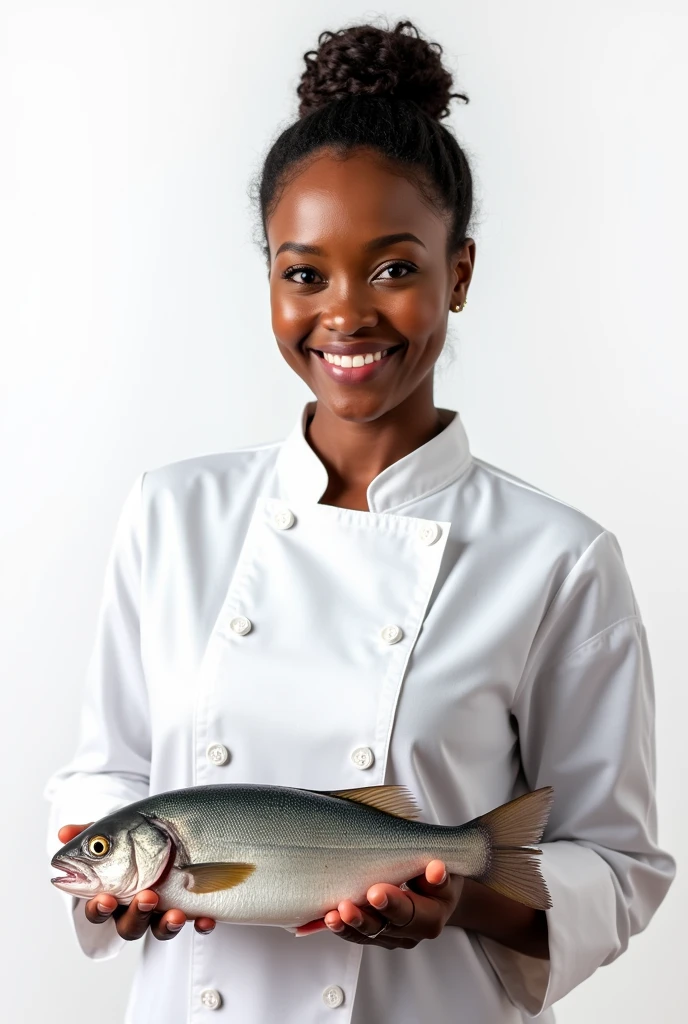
[368, 603]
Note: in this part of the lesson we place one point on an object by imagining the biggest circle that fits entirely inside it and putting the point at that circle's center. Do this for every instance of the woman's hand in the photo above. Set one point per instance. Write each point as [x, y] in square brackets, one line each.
[418, 911]
[133, 920]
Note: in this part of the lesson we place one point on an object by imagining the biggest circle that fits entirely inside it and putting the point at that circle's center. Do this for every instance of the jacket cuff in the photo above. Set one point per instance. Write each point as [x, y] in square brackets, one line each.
[581, 927]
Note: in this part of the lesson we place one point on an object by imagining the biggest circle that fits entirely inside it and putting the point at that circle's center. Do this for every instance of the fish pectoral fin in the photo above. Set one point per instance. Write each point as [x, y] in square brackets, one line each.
[396, 800]
[217, 876]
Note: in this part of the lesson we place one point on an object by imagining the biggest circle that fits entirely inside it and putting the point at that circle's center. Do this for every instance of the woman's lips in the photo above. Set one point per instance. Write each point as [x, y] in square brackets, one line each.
[355, 374]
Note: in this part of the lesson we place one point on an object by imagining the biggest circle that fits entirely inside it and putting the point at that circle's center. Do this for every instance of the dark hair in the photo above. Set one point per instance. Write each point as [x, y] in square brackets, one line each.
[380, 89]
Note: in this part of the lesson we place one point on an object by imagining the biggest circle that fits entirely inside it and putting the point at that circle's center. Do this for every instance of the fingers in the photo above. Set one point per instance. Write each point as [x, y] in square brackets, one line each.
[418, 911]
[100, 908]
[396, 905]
[436, 873]
[132, 921]
[204, 925]
[166, 926]
[438, 884]
[317, 925]
[371, 923]
[67, 832]
[435, 882]
[170, 923]
[355, 924]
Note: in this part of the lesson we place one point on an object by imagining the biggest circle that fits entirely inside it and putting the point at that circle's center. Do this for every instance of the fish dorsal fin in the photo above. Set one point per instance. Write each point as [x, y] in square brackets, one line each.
[217, 876]
[396, 800]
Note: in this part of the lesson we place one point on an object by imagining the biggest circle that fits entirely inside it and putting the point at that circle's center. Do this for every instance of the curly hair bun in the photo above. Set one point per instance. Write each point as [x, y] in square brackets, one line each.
[365, 60]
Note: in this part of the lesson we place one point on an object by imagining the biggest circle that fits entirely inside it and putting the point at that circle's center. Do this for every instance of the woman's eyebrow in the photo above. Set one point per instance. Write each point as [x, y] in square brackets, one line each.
[374, 243]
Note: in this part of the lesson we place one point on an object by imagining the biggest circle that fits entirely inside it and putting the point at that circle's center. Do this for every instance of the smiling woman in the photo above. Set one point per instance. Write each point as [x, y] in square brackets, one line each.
[366, 599]
[377, 194]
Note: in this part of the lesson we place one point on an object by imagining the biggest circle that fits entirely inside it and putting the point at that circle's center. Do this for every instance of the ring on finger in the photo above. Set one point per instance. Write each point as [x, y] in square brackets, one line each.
[388, 923]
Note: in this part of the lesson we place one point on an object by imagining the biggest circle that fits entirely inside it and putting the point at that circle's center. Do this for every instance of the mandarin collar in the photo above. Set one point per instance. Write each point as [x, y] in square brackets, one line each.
[429, 468]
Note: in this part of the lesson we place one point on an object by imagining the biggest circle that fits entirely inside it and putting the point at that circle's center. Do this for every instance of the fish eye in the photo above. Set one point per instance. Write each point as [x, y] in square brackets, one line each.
[98, 846]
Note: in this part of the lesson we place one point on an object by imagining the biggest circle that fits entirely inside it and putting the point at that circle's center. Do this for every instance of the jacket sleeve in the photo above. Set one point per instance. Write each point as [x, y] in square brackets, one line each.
[585, 715]
[111, 765]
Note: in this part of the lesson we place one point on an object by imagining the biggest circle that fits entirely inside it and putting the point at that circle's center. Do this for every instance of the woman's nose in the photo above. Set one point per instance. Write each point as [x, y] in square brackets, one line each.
[346, 314]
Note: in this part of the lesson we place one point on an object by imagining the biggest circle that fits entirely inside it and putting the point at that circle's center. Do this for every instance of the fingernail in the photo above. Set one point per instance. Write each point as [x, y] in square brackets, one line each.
[145, 907]
[380, 903]
[357, 921]
[204, 931]
[102, 909]
[443, 879]
[171, 927]
[335, 927]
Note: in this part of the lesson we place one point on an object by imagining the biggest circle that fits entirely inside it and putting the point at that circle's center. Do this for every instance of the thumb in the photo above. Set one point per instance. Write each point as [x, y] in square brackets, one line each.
[68, 832]
[436, 882]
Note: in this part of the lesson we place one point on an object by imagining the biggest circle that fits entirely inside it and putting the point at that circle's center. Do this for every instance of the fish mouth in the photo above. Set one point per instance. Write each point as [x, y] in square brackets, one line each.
[69, 877]
[72, 876]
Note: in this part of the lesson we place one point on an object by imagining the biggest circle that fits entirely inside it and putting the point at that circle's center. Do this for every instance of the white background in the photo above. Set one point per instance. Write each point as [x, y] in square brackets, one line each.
[135, 329]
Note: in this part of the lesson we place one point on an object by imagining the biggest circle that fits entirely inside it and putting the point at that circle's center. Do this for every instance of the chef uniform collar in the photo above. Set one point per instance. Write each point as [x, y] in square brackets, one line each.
[434, 465]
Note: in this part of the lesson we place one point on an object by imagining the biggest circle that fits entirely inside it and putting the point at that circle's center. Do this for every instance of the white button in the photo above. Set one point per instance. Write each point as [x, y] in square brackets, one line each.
[428, 533]
[217, 753]
[282, 517]
[211, 999]
[241, 625]
[391, 634]
[363, 757]
[333, 996]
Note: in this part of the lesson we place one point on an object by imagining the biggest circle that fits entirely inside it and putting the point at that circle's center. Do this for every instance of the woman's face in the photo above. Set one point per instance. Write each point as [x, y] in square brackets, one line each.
[335, 289]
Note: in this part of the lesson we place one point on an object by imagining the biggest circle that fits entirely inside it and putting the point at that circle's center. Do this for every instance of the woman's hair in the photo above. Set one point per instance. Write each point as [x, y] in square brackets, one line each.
[380, 89]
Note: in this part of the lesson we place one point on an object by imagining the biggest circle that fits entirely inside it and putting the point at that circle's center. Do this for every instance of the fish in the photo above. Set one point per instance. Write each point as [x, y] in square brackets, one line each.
[282, 856]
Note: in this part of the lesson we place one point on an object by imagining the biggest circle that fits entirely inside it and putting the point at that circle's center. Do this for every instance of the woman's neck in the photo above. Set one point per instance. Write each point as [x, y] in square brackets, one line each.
[354, 453]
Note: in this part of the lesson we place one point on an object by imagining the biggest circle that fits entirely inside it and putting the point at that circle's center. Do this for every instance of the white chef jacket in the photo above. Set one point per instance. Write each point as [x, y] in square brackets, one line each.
[519, 660]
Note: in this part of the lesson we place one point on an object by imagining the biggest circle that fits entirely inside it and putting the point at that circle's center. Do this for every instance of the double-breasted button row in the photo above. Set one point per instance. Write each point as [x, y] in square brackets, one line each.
[283, 518]
[218, 754]
[241, 625]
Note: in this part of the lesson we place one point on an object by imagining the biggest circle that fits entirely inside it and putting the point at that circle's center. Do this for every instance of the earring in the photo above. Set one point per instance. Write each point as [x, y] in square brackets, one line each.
[457, 308]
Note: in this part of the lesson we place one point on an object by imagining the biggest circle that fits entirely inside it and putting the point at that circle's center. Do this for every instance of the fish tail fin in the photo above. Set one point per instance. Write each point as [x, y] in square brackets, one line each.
[511, 832]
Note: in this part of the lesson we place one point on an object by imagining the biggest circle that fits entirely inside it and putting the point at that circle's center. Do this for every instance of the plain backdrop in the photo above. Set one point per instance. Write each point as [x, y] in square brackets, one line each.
[135, 327]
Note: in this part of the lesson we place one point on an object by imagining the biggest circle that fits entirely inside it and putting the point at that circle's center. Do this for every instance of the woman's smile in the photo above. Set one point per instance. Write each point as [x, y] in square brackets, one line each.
[360, 364]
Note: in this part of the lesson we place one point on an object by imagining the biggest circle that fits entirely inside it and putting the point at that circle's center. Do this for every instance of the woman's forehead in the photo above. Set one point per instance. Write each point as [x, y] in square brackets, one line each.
[360, 197]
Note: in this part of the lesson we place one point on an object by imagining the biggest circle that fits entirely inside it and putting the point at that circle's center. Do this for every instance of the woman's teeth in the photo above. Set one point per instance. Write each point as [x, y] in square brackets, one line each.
[360, 360]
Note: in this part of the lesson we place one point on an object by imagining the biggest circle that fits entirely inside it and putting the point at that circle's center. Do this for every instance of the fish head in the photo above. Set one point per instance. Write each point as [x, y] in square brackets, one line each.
[120, 854]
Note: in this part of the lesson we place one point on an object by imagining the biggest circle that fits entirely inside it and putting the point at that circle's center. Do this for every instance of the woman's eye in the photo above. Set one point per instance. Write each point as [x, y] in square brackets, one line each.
[98, 845]
[305, 271]
[299, 270]
[392, 266]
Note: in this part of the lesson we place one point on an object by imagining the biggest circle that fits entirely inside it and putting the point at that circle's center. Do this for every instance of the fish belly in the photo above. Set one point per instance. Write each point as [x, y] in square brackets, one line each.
[291, 886]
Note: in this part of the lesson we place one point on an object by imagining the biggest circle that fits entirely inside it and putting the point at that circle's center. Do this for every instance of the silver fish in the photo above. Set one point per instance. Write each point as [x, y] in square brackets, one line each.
[275, 855]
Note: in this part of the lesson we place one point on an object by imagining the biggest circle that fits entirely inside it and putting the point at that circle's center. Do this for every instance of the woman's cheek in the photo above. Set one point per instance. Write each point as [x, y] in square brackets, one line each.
[298, 361]
[418, 314]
